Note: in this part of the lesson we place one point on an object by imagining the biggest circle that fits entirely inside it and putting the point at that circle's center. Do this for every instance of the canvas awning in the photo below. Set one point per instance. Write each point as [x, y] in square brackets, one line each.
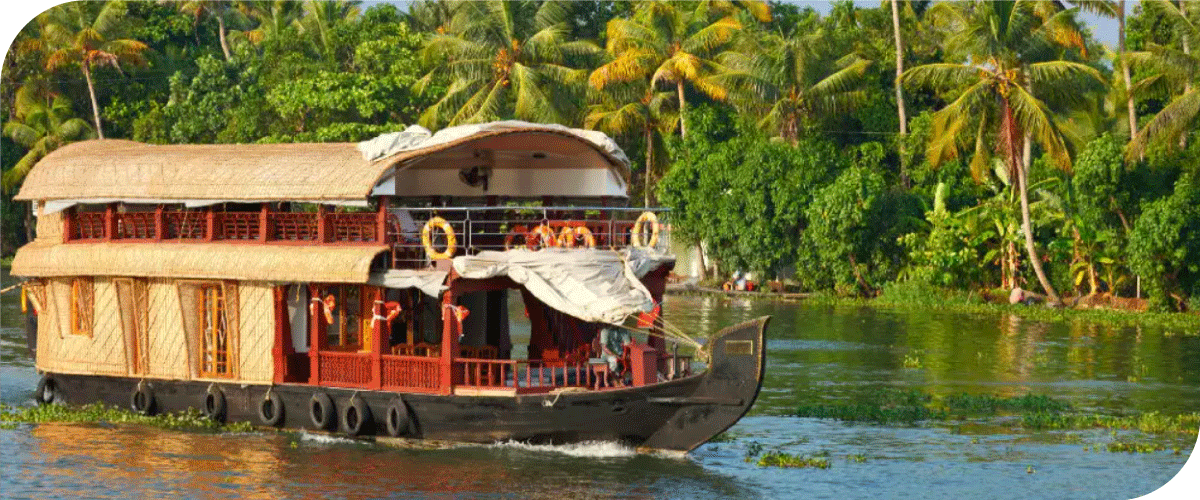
[275, 263]
[592, 285]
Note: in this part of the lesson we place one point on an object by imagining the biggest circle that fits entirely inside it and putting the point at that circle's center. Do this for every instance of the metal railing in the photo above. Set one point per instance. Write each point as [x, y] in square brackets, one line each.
[478, 229]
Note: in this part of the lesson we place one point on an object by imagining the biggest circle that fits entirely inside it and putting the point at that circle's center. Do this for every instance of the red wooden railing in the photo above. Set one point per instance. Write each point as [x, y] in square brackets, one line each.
[135, 225]
[352, 227]
[524, 376]
[237, 225]
[185, 225]
[410, 373]
[87, 226]
[345, 369]
[293, 226]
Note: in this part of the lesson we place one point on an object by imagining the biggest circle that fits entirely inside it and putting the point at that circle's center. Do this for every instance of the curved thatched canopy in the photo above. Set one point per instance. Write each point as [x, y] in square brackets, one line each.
[278, 263]
[332, 172]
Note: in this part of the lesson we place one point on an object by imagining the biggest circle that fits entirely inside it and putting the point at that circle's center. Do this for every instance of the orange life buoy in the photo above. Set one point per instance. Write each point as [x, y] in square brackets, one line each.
[569, 235]
[427, 238]
[543, 236]
[636, 237]
[330, 304]
[588, 239]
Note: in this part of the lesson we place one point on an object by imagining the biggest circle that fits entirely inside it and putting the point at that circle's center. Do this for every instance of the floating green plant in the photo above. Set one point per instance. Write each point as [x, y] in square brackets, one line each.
[983, 404]
[1150, 423]
[787, 460]
[856, 458]
[191, 420]
[1117, 447]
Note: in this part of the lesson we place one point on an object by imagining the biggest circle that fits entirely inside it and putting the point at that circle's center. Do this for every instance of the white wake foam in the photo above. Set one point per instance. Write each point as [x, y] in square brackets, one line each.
[326, 439]
[587, 449]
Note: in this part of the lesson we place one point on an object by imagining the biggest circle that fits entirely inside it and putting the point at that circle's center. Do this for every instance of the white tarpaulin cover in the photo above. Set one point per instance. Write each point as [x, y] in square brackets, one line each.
[430, 282]
[589, 284]
[418, 137]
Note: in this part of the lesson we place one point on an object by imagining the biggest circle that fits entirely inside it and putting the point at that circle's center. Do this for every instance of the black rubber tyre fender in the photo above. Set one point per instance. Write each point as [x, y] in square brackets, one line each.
[214, 404]
[270, 410]
[142, 400]
[321, 411]
[47, 390]
[356, 417]
[399, 419]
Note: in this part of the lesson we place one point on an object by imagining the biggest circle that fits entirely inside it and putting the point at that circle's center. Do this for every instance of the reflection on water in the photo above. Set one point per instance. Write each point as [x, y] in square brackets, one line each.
[817, 354]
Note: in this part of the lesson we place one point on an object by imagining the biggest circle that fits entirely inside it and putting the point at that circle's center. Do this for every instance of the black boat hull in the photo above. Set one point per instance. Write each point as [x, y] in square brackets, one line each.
[678, 415]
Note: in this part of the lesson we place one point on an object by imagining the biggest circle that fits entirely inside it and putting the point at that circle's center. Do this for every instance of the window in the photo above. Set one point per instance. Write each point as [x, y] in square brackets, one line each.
[215, 342]
[81, 306]
[347, 317]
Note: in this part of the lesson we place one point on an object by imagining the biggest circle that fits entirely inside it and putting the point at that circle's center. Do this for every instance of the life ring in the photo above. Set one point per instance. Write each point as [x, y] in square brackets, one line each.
[727, 286]
[142, 400]
[518, 230]
[542, 235]
[322, 412]
[329, 305]
[427, 238]
[270, 409]
[356, 417]
[47, 390]
[214, 404]
[636, 237]
[393, 311]
[399, 420]
[569, 236]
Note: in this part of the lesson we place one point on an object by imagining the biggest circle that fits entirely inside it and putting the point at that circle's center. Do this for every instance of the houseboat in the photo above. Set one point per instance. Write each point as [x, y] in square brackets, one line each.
[366, 289]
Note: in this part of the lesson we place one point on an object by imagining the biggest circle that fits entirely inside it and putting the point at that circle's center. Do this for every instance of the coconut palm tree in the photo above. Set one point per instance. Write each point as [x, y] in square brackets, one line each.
[320, 17]
[88, 34]
[1011, 51]
[42, 123]
[1177, 72]
[506, 59]
[790, 80]
[670, 43]
[635, 108]
[217, 9]
[273, 17]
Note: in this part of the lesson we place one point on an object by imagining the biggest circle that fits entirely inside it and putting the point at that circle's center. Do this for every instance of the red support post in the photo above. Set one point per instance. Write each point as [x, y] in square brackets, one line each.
[449, 343]
[314, 334]
[160, 223]
[68, 224]
[110, 221]
[378, 340]
[264, 222]
[210, 224]
[381, 220]
[322, 225]
[279, 351]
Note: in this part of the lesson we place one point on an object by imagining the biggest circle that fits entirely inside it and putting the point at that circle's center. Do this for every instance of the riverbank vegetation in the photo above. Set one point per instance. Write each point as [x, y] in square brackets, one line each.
[96, 413]
[969, 146]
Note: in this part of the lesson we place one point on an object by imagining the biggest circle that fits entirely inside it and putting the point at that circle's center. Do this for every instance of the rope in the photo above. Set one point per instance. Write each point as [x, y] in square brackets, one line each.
[9, 289]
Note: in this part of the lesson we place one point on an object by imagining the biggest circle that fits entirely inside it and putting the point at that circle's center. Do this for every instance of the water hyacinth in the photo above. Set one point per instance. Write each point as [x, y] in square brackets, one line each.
[191, 420]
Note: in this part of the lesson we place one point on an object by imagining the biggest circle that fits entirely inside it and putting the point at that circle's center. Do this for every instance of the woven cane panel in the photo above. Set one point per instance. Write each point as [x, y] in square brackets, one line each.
[50, 227]
[257, 331]
[168, 345]
[101, 353]
[50, 326]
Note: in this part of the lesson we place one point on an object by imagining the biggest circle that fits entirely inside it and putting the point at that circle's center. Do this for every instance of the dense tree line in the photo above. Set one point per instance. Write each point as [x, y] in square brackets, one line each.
[966, 145]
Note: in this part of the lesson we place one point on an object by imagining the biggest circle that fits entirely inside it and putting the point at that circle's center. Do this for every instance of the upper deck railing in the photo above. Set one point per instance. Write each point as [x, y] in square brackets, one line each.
[474, 229]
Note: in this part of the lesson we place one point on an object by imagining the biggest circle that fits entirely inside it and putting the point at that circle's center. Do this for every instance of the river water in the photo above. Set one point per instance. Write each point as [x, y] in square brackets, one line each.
[817, 355]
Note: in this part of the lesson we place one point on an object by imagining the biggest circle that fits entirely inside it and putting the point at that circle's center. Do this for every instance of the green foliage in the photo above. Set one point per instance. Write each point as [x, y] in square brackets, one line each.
[191, 420]
[1164, 247]
[850, 242]
[742, 193]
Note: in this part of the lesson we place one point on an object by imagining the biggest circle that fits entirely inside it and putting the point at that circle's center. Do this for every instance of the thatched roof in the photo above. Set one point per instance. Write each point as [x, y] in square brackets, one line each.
[126, 170]
[279, 263]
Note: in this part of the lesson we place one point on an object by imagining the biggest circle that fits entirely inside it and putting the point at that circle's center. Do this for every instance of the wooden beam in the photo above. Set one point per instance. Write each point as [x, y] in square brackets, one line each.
[322, 225]
[314, 336]
[160, 223]
[449, 343]
[282, 345]
[264, 222]
[378, 327]
[110, 221]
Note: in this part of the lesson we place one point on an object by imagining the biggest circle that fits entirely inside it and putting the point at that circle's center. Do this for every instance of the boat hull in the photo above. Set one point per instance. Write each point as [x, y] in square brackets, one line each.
[677, 415]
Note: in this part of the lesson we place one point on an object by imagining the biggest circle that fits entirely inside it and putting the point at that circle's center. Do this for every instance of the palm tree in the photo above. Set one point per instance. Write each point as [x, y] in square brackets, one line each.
[1173, 69]
[636, 108]
[790, 80]
[505, 58]
[673, 43]
[899, 70]
[273, 17]
[1012, 67]
[319, 18]
[217, 9]
[42, 123]
[87, 34]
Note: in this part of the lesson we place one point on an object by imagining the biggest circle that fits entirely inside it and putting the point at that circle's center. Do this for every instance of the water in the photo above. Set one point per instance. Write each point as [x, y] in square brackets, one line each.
[817, 354]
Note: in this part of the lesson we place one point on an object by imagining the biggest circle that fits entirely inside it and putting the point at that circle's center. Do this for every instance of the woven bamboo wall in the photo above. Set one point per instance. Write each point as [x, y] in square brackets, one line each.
[60, 351]
[50, 226]
[170, 347]
[257, 331]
